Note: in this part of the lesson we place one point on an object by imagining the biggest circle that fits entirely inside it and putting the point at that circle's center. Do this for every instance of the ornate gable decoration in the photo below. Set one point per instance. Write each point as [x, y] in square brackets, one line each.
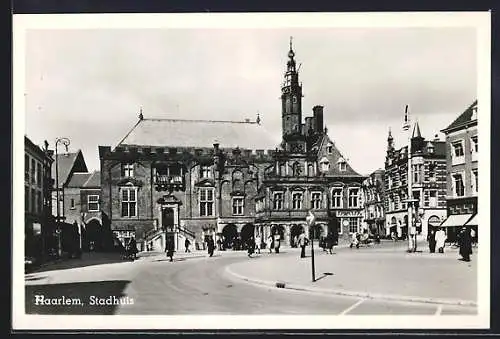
[169, 199]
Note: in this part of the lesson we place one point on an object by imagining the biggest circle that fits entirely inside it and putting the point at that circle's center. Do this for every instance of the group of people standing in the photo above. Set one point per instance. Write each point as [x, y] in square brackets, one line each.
[437, 239]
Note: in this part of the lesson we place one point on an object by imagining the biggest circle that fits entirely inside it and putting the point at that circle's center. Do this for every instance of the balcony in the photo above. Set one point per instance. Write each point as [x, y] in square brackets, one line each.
[169, 182]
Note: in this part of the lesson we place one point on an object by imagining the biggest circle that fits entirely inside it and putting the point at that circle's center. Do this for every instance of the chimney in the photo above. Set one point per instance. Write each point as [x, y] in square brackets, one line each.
[436, 137]
[318, 119]
[309, 126]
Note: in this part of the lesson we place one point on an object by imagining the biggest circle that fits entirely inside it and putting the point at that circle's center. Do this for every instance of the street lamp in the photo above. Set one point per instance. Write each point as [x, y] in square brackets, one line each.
[66, 143]
[406, 128]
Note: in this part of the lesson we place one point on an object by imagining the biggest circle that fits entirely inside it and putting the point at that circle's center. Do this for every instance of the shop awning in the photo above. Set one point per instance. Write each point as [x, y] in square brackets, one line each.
[456, 220]
[473, 221]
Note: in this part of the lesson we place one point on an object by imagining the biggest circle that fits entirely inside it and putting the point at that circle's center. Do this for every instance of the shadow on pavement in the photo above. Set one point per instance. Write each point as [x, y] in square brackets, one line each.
[78, 296]
[88, 259]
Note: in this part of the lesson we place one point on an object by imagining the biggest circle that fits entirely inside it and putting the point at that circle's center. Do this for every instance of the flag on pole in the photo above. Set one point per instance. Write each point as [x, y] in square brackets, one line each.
[310, 219]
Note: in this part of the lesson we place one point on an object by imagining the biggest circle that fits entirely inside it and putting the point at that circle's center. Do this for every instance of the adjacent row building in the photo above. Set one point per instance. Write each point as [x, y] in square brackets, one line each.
[428, 184]
[39, 233]
[462, 172]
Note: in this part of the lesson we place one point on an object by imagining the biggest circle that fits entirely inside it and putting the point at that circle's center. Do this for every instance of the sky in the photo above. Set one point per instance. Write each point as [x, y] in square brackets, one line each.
[89, 84]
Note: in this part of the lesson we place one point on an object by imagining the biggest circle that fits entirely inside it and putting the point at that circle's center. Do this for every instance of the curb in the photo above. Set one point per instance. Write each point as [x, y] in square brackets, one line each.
[366, 295]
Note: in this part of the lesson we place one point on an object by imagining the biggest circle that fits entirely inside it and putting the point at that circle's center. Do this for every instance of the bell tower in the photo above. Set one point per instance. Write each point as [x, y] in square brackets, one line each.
[291, 106]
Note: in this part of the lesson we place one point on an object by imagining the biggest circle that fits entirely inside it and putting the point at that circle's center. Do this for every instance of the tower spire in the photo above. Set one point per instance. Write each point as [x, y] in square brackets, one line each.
[416, 131]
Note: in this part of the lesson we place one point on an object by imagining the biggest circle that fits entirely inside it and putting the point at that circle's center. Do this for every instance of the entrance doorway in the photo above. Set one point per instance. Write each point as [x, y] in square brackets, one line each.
[295, 231]
[246, 233]
[230, 236]
[167, 218]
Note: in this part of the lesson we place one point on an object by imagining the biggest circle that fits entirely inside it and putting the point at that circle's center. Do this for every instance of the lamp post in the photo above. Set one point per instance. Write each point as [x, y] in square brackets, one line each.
[66, 143]
[410, 200]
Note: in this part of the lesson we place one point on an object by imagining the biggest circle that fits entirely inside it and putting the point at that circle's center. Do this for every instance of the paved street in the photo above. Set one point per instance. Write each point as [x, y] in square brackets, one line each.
[196, 284]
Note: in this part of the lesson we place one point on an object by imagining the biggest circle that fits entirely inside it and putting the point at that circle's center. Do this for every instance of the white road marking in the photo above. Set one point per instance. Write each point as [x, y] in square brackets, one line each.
[353, 306]
[439, 310]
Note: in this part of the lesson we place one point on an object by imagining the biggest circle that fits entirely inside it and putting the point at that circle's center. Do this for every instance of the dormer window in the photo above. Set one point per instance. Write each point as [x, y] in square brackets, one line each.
[342, 165]
[325, 165]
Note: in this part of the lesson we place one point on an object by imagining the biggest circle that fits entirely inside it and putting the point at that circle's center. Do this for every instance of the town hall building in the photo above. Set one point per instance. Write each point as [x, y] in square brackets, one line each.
[170, 179]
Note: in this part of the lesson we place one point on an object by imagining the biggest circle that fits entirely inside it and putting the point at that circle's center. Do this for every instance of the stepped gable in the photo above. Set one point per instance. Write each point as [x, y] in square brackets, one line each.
[198, 134]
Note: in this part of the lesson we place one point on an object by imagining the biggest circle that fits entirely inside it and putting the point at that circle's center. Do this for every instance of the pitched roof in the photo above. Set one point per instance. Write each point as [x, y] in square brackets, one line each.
[94, 180]
[79, 179]
[198, 133]
[67, 164]
[334, 157]
[463, 118]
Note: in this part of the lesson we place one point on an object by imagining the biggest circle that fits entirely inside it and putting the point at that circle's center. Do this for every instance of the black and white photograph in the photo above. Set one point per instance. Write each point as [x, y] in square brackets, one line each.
[251, 171]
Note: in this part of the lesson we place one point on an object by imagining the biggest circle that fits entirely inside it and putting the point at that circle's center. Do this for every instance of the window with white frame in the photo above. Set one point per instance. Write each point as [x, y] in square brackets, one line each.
[458, 185]
[474, 145]
[353, 199]
[128, 170]
[474, 180]
[329, 149]
[238, 205]
[278, 200]
[297, 200]
[457, 152]
[206, 202]
[337, 197]
[316, 200]
[353, 225]
[129, 202]
[205, 171]
[93, 203]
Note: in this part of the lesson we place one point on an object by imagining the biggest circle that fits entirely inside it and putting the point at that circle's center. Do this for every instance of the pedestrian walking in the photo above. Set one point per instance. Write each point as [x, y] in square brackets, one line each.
[330, 243]
[354, 240]
[302, 242]
[465, 243]
[431, 238]
[132, 248]
[269, 243]
[210, 246]
[473, 237]
[258, 243]
[277, 243]
[440, 238]
[250, 246]
[170, 248]
[186, 245]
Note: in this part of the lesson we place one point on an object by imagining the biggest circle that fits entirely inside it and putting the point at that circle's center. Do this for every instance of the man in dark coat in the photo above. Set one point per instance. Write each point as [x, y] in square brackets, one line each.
[132, 245]
[431, 238]
[169, 249]
[465, 243]
[210, 246]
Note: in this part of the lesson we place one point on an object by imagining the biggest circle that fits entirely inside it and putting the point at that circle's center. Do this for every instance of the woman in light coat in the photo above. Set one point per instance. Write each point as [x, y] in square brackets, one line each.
[440, 239]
